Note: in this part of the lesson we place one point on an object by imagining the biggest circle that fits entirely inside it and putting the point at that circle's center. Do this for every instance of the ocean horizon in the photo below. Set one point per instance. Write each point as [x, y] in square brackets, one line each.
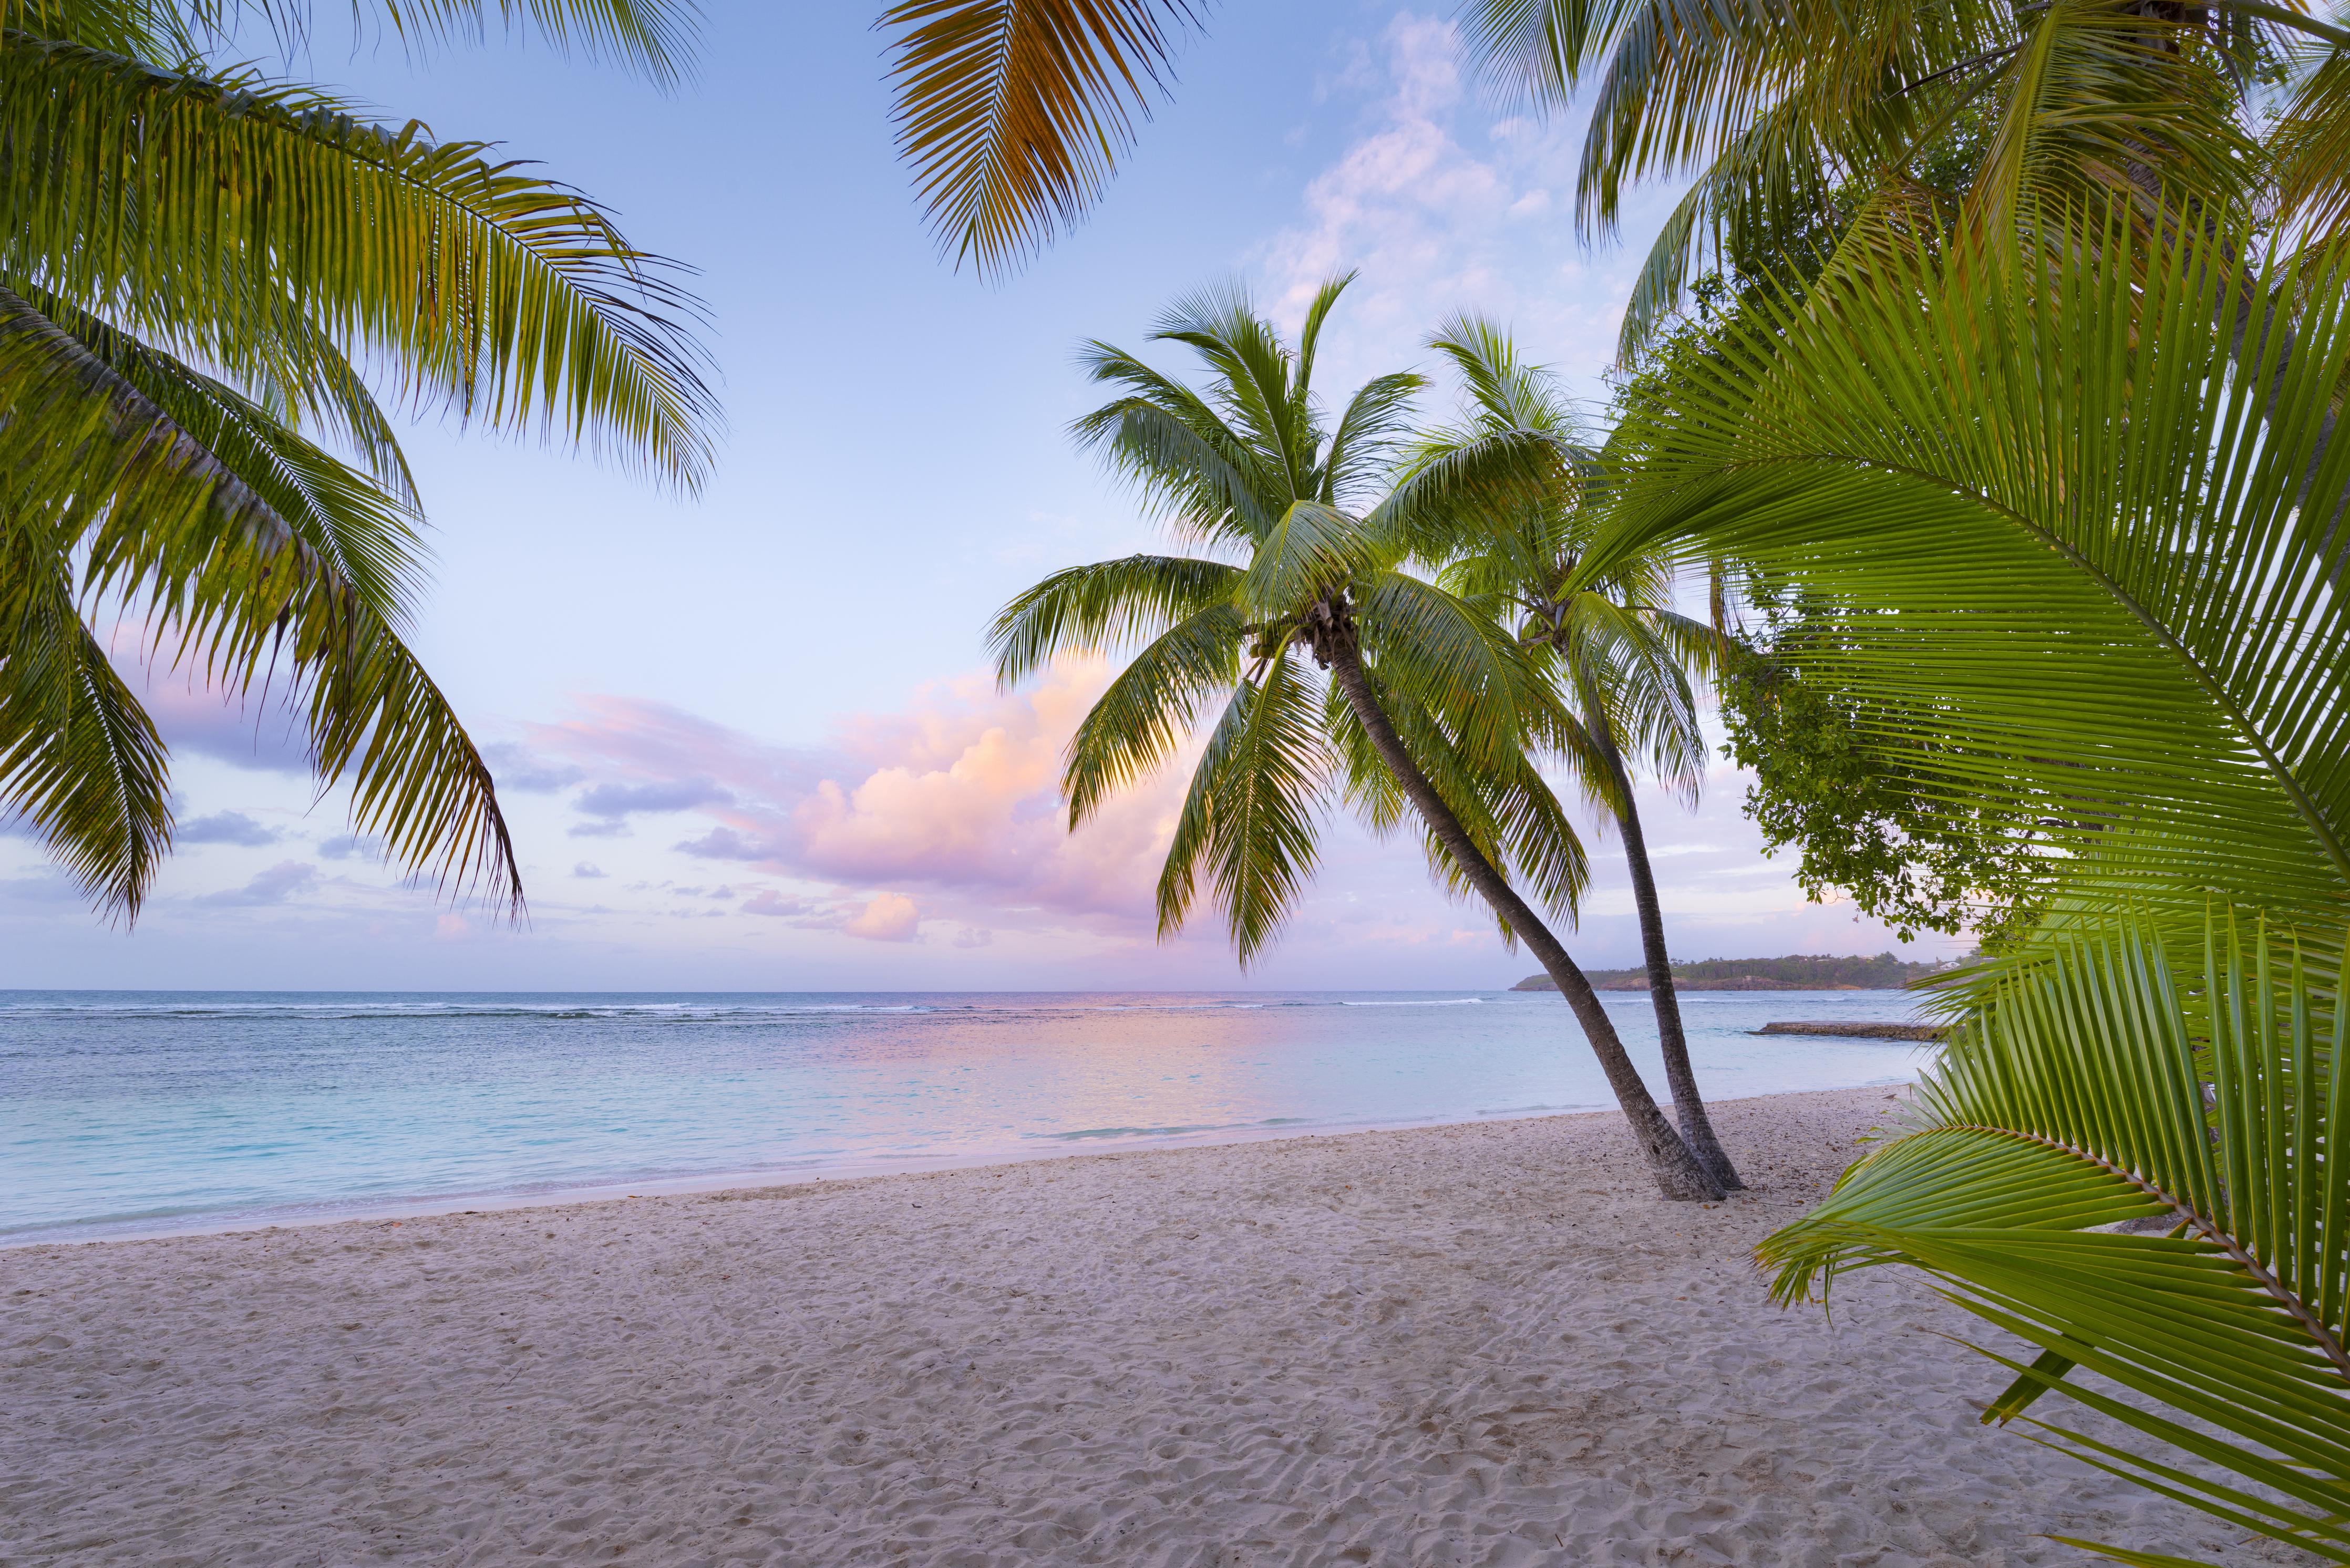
[137, 1113]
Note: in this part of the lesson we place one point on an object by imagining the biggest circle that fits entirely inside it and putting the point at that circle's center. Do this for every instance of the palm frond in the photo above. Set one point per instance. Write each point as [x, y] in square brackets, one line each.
[204, 211]
[1249, 818]
[242, 544]
[1015, 113]
[1138, 723]
[78, 757]
[2099, 592]
[1104, 608]
[2106, 1076]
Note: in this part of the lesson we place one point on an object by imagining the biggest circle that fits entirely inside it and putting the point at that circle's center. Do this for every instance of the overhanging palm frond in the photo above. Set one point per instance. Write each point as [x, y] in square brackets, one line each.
[655, 36]
[2099, 587]
[201, 211]
[2111, 1076]
[243, 544]
[1015, 113]
[78, 757]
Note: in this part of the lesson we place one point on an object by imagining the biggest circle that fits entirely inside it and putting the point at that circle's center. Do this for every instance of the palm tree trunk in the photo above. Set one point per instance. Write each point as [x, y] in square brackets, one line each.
[1678, 1173]
[1689, 1107]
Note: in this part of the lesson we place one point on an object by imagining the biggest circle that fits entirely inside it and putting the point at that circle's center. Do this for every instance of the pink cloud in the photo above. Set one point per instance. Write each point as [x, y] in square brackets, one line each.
[955, 799]
[888, 918]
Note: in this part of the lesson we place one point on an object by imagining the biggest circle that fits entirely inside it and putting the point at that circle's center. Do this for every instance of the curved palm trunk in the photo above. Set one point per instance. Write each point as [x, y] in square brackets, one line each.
[1689, 1107]
[1678, 1173]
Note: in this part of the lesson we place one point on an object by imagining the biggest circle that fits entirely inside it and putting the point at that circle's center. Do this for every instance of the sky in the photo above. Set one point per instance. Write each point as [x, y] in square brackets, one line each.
[748, 739]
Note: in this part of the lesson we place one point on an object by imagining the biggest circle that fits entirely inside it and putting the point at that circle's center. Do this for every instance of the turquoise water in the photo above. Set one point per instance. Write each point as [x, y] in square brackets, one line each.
[127, 1113]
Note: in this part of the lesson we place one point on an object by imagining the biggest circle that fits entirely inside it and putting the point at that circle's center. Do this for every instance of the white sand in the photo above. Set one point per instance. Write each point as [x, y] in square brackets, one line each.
[1469, 1344]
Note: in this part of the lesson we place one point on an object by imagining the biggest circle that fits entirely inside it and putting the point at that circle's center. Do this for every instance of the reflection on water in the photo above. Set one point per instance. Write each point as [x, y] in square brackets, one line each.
[129, 1112]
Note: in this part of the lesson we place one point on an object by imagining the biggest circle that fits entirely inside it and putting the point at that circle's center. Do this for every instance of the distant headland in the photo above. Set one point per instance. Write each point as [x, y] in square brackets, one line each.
[1796, 971]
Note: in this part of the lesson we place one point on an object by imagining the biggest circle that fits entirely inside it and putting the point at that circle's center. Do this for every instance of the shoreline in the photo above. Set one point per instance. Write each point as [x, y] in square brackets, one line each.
[502, 1201]
[1478, 1344]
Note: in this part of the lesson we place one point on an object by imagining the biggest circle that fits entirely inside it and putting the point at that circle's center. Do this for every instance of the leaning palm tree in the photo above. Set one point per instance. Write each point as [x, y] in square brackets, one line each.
[200, 269]
[2060, 513]
[1428, 704]
[1621, 655]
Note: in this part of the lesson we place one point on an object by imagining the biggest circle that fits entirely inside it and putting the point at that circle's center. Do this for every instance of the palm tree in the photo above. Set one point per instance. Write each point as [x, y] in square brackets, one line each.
[1620, 652]
[2066, 539]
[1428, 703]
[198, 269]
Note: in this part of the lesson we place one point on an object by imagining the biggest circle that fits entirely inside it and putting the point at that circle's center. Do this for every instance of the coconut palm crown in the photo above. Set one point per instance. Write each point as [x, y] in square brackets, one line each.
[1428, 706]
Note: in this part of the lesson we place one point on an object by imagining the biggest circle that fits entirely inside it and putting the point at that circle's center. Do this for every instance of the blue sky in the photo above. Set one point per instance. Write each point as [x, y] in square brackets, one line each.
[745, 740]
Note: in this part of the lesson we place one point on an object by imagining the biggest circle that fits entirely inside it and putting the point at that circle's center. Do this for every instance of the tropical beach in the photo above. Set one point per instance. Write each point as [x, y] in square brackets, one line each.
[1101, 781]
[1460, 1345]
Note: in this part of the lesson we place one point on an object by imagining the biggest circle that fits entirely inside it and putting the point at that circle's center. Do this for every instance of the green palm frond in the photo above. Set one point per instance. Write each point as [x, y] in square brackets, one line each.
[1179, 453]
[1249, 816]
[2099, 589]
[2098, 96]
[247, 549]
[1539, 49]
[2112, 1074]
[655, 36]
[1260, 383]
[1013, 113]
[1452, 655]
[1154, 702]
[2311, 138]
[1104, 608]
[79, 756]
[200, 210]
[1311, 551]
[1774, 178]
[1371, 435]
[1506, 806]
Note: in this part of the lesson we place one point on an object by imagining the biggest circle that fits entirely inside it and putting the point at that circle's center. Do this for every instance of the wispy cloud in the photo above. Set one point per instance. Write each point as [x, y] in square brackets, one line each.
[275, 886]
[616, 800]
[1444, 205]
[225, 828]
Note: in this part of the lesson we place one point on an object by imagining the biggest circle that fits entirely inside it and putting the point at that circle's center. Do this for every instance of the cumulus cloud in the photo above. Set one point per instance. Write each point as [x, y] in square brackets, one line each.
[275, 886]
[223, 827]
[952, 803]
[888, 918]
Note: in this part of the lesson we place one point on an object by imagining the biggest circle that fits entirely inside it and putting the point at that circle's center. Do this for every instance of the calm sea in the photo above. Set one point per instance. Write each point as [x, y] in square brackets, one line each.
[126, 1112]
